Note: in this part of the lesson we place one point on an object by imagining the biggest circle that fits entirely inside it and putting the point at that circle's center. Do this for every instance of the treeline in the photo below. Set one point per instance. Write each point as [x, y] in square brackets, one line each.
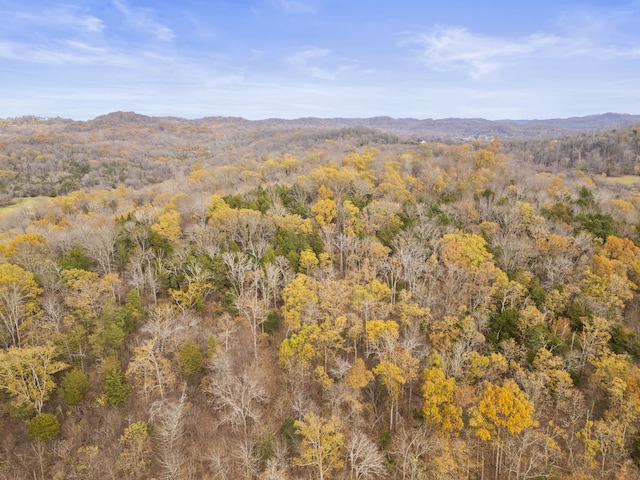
[344, 310]
[55, 157]
[612, 152]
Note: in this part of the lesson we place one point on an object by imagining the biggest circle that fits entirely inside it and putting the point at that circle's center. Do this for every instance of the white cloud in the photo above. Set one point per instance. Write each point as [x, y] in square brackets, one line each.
[140, 19]
[66, 53]
[83, 46]
[61, 16]
[91, 23]
[455, 48]
[318, 63]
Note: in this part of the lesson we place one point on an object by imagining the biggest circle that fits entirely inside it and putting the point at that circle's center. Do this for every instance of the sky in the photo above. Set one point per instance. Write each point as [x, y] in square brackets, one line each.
[258, 59]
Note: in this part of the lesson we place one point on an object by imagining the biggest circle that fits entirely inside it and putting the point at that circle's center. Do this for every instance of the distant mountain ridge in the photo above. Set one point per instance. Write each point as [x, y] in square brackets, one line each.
[412, 128]
[55, 156]
[427, 129]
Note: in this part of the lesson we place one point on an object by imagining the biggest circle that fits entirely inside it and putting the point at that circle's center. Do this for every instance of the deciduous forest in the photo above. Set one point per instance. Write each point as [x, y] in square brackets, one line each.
[213, 300]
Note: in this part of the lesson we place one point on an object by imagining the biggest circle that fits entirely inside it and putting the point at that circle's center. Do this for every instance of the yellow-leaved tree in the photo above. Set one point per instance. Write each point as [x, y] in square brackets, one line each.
[472, 278]
[503, 411]
[299, 297]
[18, 294]
[26, 376]
[28, 250]
[439, 407]
[324, 210]
[167, 225]
[322, 446]
[396, 367]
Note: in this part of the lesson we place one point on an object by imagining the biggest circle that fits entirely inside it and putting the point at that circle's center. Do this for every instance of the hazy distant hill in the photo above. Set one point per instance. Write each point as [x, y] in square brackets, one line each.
[56, 156]
[411, 127]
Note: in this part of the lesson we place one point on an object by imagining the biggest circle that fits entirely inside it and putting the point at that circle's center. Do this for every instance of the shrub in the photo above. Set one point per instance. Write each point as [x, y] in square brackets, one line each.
[75, 386]
[504, 326]
[272, 323]
[116, 388]
[190, 360]
[44, 426]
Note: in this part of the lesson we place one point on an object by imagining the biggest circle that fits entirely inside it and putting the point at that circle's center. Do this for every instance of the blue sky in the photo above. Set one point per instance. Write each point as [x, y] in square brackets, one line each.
[517, 59]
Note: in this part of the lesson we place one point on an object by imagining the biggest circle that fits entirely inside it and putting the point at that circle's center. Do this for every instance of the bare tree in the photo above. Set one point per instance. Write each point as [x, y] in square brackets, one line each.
[167, 326]
[364, 459]
[221, 465]
[167, 417]
[248, 459]
[254, 310]
[235, 395]
[409, 448]
[277, 466]
[98, 238]
[276, 276]
[151, 370]
[240, 268]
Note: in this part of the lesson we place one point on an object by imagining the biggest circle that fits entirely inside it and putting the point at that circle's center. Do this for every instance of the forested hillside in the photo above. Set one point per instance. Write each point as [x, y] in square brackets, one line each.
[195, 300]
[56, 156]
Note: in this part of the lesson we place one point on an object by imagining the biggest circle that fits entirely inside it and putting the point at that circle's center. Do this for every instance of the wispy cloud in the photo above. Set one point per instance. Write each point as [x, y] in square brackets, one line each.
[599, 23]
[59, 16]
[69, 35]
[66, 53]
[141, 19]
[244, 58]
[455, 48]
[319, 63]
[602, 33]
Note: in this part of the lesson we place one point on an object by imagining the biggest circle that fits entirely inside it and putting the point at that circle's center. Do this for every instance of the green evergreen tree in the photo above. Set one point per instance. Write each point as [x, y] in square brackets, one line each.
[190, 359]
[44, 426]
[75, 386]
[116, 388]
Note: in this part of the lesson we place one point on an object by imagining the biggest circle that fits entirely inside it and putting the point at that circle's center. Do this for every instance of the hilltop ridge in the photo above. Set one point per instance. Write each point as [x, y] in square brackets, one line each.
[413, 128]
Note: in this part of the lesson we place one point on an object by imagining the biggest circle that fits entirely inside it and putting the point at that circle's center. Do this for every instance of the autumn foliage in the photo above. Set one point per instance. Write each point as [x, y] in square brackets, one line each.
[315, 304]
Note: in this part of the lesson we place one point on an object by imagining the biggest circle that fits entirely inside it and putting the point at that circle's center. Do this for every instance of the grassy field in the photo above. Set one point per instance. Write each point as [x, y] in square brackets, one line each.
[623, 180]
[21, 202]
